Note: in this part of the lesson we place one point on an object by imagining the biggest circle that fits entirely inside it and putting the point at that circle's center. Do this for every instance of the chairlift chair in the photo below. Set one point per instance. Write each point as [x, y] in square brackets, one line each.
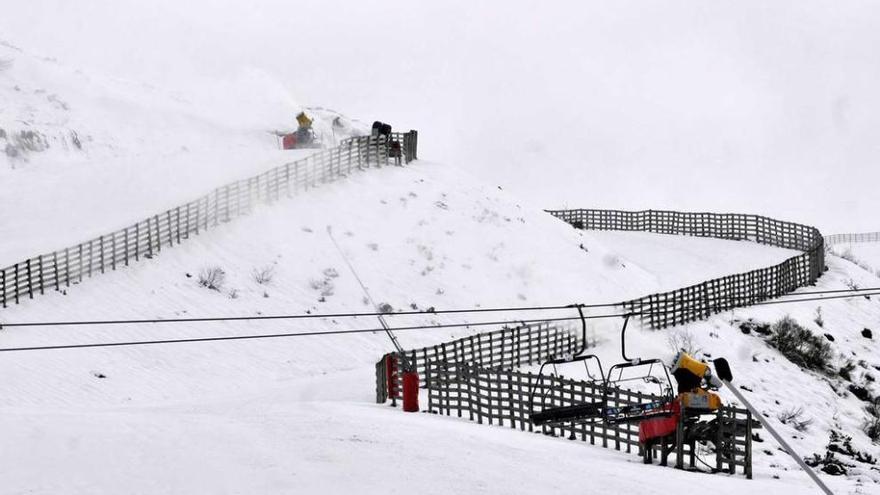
[598, 410]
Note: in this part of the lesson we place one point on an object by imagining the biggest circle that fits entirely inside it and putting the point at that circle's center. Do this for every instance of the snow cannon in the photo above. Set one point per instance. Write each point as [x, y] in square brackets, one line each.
[694, 379]
[303, 120]
[691, 375]
[303, 137]
[380, 129]
[288, 141]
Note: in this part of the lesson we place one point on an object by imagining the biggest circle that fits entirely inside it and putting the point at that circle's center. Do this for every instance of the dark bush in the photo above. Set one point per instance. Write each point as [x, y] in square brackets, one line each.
[799, 345]
[872, 428]
[846, 370]
[751, 325]
[861, 392]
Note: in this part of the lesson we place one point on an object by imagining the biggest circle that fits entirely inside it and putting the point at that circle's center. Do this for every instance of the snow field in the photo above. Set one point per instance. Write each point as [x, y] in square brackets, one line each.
[423, 235]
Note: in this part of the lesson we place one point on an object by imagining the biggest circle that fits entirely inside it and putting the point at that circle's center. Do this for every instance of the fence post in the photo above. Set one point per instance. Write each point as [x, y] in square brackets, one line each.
[158, 235]
[30, 283]
[149, 239]
[101, 246]
[67, 267]
[113, 252]
[57, 272]
[15, 290]
[91, 256]
[3, 286]
[40, 271]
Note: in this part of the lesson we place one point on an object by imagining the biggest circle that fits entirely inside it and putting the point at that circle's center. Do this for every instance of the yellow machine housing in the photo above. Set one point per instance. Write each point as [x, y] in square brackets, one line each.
[686, 362]
[303, 120]
[700, 399]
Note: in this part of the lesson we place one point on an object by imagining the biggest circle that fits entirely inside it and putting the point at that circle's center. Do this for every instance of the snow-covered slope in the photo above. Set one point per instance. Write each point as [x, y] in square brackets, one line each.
[421, 236]
[572, 107]
[864, 254]
[82, 154]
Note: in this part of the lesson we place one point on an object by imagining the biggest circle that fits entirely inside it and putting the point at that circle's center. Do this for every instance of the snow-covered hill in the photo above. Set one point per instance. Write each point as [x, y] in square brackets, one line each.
[113, 110]
[422, 236]
[84, 154]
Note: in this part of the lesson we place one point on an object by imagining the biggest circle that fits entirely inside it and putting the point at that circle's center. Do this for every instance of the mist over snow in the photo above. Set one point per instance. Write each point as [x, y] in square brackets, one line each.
[748, 106]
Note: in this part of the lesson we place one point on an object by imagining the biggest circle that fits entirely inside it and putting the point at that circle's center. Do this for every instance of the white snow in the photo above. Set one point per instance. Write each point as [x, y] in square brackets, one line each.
[287, 440]
[864, 254]
[278, 409]
[744, 107]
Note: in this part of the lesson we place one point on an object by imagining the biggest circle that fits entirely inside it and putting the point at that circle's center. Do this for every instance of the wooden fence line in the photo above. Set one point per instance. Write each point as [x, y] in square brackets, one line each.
[145, 239]
[852, 238]
[501, 349]
[475, 378]
[742, 289]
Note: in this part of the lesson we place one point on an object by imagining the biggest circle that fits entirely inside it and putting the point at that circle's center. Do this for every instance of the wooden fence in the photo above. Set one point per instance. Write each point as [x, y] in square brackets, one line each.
[501, 397]
[501, 349]
[742, 289]
[148, 237]
[852, 238]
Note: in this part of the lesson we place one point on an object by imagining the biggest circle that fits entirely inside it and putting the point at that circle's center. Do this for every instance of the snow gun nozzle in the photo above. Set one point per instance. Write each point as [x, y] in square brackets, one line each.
[722, 369]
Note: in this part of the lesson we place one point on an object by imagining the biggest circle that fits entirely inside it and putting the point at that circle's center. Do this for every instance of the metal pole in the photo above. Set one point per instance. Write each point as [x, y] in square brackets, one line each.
[404, 361]
[779, 439]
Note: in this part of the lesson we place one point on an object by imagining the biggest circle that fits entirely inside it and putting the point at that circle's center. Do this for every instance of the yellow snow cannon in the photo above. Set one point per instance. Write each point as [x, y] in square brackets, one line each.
[694, 378]
[303, 121]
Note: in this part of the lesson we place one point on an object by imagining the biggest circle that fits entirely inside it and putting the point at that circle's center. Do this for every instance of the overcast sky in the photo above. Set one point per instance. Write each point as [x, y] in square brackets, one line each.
[764, 107]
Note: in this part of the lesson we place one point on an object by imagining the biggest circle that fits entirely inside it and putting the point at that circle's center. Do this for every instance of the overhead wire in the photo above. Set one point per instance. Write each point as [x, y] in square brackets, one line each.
[866, 292]
[406, 328]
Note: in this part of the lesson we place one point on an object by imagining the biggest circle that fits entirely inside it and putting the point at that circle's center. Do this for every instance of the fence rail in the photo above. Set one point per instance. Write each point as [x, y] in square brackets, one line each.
[742, 289]
[148, 237]
[501, 397]
[852, 238]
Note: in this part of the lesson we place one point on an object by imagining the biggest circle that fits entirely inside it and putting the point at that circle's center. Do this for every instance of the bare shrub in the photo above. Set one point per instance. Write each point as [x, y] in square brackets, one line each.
[324, 286]
[5, 64]
[682, 342]
[212, 277]
[846, 370]
[264, 275]
[794, 417]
